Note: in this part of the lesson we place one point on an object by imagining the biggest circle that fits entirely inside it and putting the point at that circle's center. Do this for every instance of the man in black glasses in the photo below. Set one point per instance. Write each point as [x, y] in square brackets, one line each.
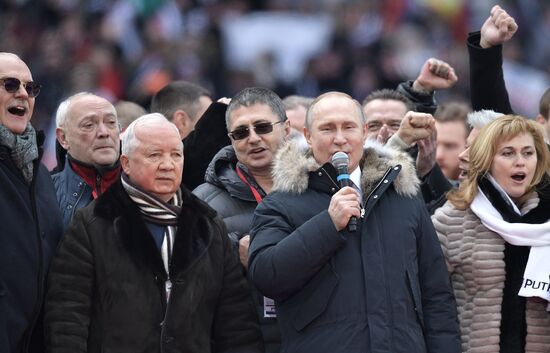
[239, 176]
[87, 129]
[29, 216]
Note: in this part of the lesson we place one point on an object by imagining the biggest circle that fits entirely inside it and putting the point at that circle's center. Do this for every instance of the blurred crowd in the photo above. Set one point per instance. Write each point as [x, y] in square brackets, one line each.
[129, 49]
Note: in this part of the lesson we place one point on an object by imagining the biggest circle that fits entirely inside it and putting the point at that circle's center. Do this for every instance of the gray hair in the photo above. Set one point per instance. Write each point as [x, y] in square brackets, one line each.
[294, 101]
[129, 139]
[480, 118]
[127, 112]
[256, 95]
[63, 108]
[309, 113]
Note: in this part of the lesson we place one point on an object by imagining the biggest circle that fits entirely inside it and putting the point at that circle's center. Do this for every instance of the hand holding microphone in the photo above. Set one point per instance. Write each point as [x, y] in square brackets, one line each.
[344, 206]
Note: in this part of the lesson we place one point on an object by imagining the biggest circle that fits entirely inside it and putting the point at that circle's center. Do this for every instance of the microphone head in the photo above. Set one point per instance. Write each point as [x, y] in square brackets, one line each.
[340, 161]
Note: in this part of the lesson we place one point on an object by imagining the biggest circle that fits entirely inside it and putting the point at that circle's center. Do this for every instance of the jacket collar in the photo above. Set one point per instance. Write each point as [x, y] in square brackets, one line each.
[221, 173]
[193, 236]
[293, 164]
[99, 178]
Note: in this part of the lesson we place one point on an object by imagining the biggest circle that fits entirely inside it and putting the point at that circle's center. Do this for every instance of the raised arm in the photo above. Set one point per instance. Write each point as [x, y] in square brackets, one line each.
[488, 90]
[434, 75]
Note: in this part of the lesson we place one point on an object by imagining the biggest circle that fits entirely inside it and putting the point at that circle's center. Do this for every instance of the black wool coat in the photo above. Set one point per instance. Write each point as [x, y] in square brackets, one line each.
[107, 285]
[30, 229]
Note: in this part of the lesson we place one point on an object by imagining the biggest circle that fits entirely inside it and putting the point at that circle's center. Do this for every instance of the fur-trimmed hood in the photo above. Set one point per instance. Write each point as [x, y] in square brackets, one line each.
[293, 164]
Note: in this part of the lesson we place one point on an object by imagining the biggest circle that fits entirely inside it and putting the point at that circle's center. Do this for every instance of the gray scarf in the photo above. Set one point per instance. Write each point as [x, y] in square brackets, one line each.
[161, 213]
[23, 148]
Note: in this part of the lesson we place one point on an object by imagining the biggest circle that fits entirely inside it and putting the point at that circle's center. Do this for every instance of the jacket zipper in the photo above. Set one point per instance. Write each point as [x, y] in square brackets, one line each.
[81, 192]
[384, 177]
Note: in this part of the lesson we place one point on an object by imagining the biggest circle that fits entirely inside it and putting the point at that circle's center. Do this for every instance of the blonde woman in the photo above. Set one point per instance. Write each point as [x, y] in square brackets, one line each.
[495, 234]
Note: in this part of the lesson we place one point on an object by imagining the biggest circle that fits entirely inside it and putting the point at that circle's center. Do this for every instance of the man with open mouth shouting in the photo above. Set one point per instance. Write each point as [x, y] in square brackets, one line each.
[30, 218]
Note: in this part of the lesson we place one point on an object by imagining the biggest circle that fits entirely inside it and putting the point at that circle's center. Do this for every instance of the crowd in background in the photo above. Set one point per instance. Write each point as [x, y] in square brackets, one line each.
[129, 49]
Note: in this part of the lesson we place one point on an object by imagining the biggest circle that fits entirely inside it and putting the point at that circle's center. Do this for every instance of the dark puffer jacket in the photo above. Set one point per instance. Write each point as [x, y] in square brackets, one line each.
[383, 288]
[31, 228]
[107, 285]
[225, 192]
[72, 192]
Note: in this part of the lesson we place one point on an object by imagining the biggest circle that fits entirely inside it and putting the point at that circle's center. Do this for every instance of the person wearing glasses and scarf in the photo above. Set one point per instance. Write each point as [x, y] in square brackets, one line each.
[239, 176]
[495, 235]
[29, 216]
[148, 267]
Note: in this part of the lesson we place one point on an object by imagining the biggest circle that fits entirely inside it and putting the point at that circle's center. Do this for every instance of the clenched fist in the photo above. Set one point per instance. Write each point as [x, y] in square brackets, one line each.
[498, 28]
[435, 74]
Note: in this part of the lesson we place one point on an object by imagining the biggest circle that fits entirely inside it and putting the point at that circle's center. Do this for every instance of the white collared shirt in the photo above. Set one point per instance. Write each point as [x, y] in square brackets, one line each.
[355, 176]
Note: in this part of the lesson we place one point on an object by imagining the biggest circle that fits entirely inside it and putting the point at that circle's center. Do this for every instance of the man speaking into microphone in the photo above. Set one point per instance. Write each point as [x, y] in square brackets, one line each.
[381, 288]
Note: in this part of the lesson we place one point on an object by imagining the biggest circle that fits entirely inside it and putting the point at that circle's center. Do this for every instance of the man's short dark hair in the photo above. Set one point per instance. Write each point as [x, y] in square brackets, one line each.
[256, 95]
[178, 95]
[389, 94]
[544, 104]
[453, 111]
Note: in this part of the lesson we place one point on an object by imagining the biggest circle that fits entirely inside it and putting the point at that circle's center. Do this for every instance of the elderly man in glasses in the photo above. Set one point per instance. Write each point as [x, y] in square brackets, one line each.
[29, 217]
[88, 130]
[239, 176]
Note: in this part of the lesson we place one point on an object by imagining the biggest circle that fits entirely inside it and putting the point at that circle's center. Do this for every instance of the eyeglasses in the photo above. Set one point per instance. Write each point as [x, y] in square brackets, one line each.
[12, 84]
[243, 132]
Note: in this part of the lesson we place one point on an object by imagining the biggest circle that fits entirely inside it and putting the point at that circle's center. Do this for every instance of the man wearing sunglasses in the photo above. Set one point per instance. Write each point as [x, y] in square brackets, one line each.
[239, 176]
[88, 130]
[29, 216]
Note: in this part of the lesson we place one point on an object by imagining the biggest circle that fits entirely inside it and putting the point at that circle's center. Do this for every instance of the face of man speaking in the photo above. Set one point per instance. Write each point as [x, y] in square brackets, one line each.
[155, 164]
[336, 127]
[15, 108]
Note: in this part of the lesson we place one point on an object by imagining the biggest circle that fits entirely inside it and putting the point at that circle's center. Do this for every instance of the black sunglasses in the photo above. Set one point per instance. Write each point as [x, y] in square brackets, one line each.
[242, 132]
[12, 84]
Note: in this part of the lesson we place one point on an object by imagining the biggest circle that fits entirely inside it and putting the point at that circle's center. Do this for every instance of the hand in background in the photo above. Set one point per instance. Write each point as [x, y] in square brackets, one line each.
[425, 160]
[244, 243]
[416, 126]
[435, 74]
[498, 28]
[224, 100]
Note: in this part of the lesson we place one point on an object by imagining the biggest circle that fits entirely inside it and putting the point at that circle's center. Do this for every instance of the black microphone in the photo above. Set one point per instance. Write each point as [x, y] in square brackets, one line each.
[340, 161]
